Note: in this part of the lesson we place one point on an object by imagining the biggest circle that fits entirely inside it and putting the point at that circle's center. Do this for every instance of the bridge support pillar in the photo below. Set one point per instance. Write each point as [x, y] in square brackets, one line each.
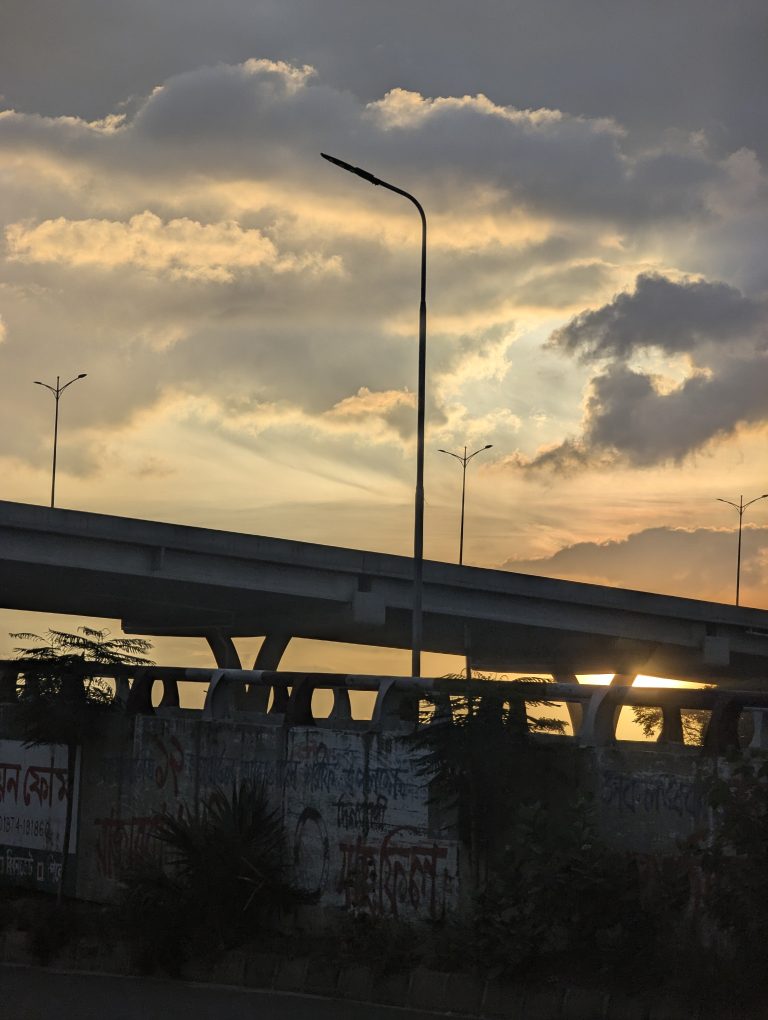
[224, 651]
[8, 678]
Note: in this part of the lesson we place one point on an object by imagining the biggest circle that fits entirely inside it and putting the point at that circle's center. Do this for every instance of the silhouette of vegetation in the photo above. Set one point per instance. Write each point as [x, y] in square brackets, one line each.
[694, 722]
[472, 748]
[219, 876]
[57, 704]
[734, 861]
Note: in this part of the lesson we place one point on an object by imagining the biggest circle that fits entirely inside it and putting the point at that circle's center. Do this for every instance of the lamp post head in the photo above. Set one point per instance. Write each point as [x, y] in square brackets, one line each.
[488, 447]
[351, 169]
[82, 375]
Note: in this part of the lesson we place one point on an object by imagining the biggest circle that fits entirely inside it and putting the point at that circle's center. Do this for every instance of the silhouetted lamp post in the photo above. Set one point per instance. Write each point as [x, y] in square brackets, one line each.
[464, 461]
[740, 507]
[57, 391]
[418, 527]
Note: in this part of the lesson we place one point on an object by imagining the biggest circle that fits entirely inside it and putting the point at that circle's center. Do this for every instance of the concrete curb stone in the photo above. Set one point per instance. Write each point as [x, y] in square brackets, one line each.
[392, 989]
[291, 975]
[584, 1004]
[505, 1000]
[228, 969]
[465, 993]
[543, 1003]
[674, 1008]
[322, 978]
[260, 970]
[356, 982]
[429, 990]
[96, 956]
[624, 1007]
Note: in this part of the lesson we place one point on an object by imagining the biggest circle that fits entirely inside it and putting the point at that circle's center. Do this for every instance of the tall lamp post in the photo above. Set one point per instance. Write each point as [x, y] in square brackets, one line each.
[57, 391]
[464, 461]
[418, 524]
[740, 507]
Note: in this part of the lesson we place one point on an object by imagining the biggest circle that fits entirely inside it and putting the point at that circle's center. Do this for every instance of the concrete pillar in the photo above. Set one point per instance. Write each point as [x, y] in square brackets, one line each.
[723, 731]
[600, 717]
[8, 678]
[271, 651]
[224, 651]
[575, 708]
[342, 709]
[140, 696]
[759, 741]
[394, 709]
[256, 697]
[672, 725]
[222, 696]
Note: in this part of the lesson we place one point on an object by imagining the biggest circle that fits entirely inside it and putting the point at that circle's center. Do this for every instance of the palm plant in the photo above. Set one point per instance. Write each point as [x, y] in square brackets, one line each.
[224, 872]
[58, 704]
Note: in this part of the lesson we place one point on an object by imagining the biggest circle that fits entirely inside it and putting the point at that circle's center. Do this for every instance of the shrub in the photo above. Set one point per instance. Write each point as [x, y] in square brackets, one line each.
[219, 879]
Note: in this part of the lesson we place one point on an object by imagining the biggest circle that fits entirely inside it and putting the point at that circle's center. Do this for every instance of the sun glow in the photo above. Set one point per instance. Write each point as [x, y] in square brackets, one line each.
[641, 680]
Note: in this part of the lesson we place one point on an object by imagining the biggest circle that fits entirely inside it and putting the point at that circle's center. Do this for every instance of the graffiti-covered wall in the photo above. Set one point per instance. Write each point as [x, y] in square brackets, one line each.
[362, 832]
[356, 813]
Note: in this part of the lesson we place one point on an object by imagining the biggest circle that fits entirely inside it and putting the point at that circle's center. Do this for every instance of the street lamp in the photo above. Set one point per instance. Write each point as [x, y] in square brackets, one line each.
[57, 391]
[464, 461]
[740, 507]
[418, 524]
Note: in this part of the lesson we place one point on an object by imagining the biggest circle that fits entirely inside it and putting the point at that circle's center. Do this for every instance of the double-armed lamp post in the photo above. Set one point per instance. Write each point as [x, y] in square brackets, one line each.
[464, 461]
[57, 391]
[740, 507]
[418, 525]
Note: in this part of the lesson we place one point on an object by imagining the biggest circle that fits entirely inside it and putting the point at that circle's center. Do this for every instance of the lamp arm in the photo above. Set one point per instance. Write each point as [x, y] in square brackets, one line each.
[755, 500]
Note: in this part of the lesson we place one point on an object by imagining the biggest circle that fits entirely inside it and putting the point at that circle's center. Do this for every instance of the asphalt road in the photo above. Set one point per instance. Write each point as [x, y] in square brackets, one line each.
[31, 993]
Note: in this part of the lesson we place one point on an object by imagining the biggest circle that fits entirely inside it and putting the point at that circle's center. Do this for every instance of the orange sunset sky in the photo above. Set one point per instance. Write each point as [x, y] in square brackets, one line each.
[595, 181]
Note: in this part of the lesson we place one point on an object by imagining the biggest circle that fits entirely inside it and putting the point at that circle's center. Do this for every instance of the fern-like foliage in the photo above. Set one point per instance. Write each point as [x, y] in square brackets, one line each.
[57, 704]
[224, 872]
[474, 749]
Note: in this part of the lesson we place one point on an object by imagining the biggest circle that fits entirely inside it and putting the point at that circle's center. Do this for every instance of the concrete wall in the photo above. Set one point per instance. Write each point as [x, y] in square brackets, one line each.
[355, 812]
[361, 831]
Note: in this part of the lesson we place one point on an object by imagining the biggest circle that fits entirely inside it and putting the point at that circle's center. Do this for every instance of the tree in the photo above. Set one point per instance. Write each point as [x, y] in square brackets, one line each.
[694, 722]
[474, 750]
[59, 704]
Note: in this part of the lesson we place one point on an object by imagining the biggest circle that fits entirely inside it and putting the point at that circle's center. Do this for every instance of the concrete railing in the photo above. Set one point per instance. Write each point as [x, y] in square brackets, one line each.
[728, 718]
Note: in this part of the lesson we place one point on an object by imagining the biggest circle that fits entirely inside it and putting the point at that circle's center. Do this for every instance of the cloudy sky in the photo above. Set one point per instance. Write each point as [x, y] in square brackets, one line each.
[594, 174]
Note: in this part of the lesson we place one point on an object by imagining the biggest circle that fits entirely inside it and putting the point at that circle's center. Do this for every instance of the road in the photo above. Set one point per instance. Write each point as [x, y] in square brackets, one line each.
[32, 993]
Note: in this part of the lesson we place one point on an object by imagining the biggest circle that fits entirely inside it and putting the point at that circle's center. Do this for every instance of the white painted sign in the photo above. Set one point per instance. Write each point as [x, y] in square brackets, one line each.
[33, 797]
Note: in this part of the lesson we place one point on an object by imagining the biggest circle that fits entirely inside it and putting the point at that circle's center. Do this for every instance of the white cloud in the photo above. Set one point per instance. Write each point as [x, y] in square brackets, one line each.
[181, 248]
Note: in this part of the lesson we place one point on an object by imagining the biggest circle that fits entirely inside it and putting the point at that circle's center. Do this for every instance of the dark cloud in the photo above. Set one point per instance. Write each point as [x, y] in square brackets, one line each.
[262, 121]
[660, 313]
[688, 65]
[632, 416]
[247, 310]
[698, 563]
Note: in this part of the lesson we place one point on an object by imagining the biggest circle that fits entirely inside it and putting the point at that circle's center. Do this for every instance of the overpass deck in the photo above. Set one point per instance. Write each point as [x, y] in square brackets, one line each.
[169, 579]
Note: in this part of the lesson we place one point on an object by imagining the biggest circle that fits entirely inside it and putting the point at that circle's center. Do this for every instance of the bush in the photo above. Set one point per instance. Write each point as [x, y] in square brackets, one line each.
[219, 878]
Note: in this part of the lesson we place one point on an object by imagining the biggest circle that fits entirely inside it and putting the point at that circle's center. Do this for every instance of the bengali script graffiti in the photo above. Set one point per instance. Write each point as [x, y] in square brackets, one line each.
[120, 841]
[651, 794]
[392, 878]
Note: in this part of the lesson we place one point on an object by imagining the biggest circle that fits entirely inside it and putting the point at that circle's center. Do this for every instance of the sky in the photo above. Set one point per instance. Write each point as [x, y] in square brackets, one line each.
[594, 177]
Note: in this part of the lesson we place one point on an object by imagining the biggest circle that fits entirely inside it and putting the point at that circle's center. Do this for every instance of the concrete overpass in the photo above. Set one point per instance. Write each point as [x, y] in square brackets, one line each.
[175, 580]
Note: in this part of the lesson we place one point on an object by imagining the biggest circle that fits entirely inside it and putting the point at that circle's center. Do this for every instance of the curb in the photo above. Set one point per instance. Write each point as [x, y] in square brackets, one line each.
[442, 993]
